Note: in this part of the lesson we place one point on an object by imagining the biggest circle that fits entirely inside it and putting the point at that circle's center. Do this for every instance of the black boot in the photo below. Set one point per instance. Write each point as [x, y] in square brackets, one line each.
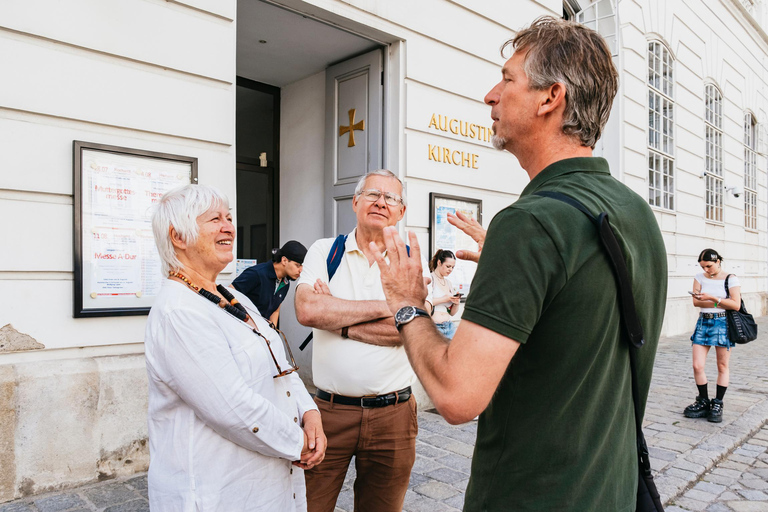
[716, 411]
[698, 409]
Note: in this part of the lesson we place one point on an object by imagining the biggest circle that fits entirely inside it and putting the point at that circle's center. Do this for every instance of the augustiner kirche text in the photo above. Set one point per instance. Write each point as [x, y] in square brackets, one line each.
[465, 129]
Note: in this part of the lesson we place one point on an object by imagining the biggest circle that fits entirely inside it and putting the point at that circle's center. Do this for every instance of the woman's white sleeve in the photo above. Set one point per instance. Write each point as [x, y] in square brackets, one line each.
[304, 400]
[193, 358]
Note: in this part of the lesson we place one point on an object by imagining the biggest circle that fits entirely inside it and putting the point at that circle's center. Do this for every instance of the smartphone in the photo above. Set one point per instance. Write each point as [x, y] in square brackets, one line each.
[694, 293]
[458, 294]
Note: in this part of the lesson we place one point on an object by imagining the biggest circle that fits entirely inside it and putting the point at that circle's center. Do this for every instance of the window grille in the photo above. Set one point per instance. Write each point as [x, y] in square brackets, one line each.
[661, 124]
[750, 171]
[713, 155]
[600, 16]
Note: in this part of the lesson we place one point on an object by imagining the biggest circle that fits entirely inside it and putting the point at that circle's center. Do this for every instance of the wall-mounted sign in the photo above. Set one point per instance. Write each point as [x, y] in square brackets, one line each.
[470, 131]
[445, 236]
[117, 267]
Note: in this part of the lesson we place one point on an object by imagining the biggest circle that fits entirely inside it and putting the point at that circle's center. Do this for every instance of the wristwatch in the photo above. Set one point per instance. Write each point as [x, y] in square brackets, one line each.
[406, 314]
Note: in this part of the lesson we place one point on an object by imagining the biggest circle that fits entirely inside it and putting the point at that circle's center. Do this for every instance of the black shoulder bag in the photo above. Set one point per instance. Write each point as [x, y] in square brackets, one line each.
[648, 499]
[741, 325]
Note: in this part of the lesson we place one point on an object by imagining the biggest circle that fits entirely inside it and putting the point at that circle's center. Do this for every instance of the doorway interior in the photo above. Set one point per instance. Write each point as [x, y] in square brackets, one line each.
[258, 164]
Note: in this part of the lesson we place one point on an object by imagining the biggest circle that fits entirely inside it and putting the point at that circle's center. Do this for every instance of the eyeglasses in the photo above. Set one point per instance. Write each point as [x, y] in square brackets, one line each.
[280, 371]
[373, 195]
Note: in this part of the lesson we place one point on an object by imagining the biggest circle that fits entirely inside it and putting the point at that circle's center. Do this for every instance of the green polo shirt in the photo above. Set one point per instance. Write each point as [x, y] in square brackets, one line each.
[559, 432]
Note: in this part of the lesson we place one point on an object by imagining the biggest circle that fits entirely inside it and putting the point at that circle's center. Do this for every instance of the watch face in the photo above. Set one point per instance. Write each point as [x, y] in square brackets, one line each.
[405, 314]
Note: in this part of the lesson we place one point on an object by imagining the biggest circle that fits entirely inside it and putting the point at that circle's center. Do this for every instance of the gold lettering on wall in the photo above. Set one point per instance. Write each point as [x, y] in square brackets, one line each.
[465, 129]
[452, 157]
[459, 127]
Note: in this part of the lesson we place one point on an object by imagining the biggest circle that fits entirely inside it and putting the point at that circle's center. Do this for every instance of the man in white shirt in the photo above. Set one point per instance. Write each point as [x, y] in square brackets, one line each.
[359, 365]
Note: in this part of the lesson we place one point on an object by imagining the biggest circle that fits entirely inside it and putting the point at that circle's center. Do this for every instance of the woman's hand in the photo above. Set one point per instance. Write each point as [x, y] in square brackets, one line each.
[445, 299]
[315, 441]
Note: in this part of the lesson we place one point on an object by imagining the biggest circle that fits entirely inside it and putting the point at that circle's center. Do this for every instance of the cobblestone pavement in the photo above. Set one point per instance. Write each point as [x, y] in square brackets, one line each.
[737, 484]
[128, 495]
[682, 449]
[699, 465]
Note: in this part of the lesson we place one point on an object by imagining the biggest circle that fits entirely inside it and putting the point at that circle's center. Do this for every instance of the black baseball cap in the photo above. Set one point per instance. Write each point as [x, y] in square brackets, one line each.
[292, 250]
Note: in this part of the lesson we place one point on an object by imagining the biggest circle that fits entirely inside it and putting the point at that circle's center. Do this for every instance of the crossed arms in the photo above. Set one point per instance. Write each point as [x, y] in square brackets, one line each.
[368, 321]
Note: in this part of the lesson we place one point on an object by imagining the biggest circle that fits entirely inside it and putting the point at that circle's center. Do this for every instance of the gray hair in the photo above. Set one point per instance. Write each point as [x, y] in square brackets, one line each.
[380, 172]
[179, 208]
[569, 53]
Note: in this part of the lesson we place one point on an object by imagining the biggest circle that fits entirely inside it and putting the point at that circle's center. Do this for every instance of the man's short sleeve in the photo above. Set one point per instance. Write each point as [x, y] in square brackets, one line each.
[315, 266]
[519, 272]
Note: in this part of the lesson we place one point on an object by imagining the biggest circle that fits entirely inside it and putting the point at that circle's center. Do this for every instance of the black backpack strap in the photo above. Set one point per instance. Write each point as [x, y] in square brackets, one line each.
[568, 200]
[631, 323]
[629, 319]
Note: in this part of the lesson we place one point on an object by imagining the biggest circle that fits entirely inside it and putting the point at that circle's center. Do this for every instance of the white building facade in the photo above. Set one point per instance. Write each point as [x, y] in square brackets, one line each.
[267, 96]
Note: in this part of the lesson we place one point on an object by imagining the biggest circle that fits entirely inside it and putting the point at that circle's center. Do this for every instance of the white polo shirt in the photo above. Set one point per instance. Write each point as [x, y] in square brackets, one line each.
[344, 366]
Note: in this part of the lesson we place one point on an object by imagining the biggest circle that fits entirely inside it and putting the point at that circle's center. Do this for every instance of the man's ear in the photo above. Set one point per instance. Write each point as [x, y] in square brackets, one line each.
[553, 99]
[176, 239]
[402, 214]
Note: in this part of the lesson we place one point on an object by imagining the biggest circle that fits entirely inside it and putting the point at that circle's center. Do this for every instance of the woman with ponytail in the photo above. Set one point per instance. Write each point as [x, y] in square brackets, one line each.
[445, 299]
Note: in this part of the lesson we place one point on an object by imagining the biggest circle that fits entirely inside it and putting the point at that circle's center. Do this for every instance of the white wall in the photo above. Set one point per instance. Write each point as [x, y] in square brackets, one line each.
[711, 42]
[302, 199]
[141, 74]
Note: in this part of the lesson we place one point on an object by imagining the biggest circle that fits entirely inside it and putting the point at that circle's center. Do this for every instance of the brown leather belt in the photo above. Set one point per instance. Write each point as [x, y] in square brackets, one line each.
[367, 402]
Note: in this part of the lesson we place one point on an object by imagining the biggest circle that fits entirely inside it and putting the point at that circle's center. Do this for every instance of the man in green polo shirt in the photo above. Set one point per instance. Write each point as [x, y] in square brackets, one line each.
[539, 350]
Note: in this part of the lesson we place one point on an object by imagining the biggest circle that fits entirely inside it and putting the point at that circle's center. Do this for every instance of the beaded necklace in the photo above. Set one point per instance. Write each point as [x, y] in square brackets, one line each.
[234, 308]
[230, 304]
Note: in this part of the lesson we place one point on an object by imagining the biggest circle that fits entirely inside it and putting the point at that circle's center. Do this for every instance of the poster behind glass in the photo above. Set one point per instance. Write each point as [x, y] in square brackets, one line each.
[445, 236]
[118, 269]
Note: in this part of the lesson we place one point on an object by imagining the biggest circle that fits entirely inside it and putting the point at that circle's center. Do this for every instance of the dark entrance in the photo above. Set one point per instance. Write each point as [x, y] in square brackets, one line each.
[258, 174]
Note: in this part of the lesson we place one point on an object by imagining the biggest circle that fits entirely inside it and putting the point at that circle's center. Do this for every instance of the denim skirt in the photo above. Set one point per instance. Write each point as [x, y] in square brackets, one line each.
[447, 329]
[712, 332]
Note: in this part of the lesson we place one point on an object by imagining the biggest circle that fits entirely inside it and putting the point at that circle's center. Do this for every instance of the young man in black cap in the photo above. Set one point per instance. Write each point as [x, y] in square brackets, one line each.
[266, 284]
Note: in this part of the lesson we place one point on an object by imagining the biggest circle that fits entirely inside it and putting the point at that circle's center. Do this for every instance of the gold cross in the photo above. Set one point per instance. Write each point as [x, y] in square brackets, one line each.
[351, 128]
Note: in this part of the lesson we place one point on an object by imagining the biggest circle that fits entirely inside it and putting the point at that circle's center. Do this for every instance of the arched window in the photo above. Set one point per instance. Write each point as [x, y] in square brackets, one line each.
[713, 159]
[661, 124]
[750, 171]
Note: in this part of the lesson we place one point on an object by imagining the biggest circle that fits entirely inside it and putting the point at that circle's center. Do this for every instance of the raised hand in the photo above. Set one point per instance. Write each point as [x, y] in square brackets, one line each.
[472, 228]
[401, 278]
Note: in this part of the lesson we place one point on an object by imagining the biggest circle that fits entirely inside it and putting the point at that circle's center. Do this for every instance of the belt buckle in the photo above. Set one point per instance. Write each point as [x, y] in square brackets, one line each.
[375, 401]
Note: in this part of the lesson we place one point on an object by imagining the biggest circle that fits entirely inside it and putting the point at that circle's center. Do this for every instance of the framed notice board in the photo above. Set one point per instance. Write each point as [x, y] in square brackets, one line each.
[117, 267]
[442, 235]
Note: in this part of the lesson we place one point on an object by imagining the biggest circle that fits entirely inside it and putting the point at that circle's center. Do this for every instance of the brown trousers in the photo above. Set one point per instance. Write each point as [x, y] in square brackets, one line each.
[383, 442]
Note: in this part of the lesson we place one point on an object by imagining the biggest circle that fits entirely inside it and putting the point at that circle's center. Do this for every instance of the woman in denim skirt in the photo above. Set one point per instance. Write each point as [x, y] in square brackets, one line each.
[712, 331]
[444, 296]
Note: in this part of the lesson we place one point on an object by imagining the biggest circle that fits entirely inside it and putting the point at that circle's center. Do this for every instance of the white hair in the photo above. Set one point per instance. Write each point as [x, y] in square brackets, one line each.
[179, 208]
[380, 172]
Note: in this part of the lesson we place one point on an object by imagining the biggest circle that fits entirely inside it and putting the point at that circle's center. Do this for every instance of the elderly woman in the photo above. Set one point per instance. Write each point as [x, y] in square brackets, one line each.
[226, 409]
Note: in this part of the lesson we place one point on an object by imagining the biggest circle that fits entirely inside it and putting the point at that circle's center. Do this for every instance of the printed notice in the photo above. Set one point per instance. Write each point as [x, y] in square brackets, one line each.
[121, 266]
